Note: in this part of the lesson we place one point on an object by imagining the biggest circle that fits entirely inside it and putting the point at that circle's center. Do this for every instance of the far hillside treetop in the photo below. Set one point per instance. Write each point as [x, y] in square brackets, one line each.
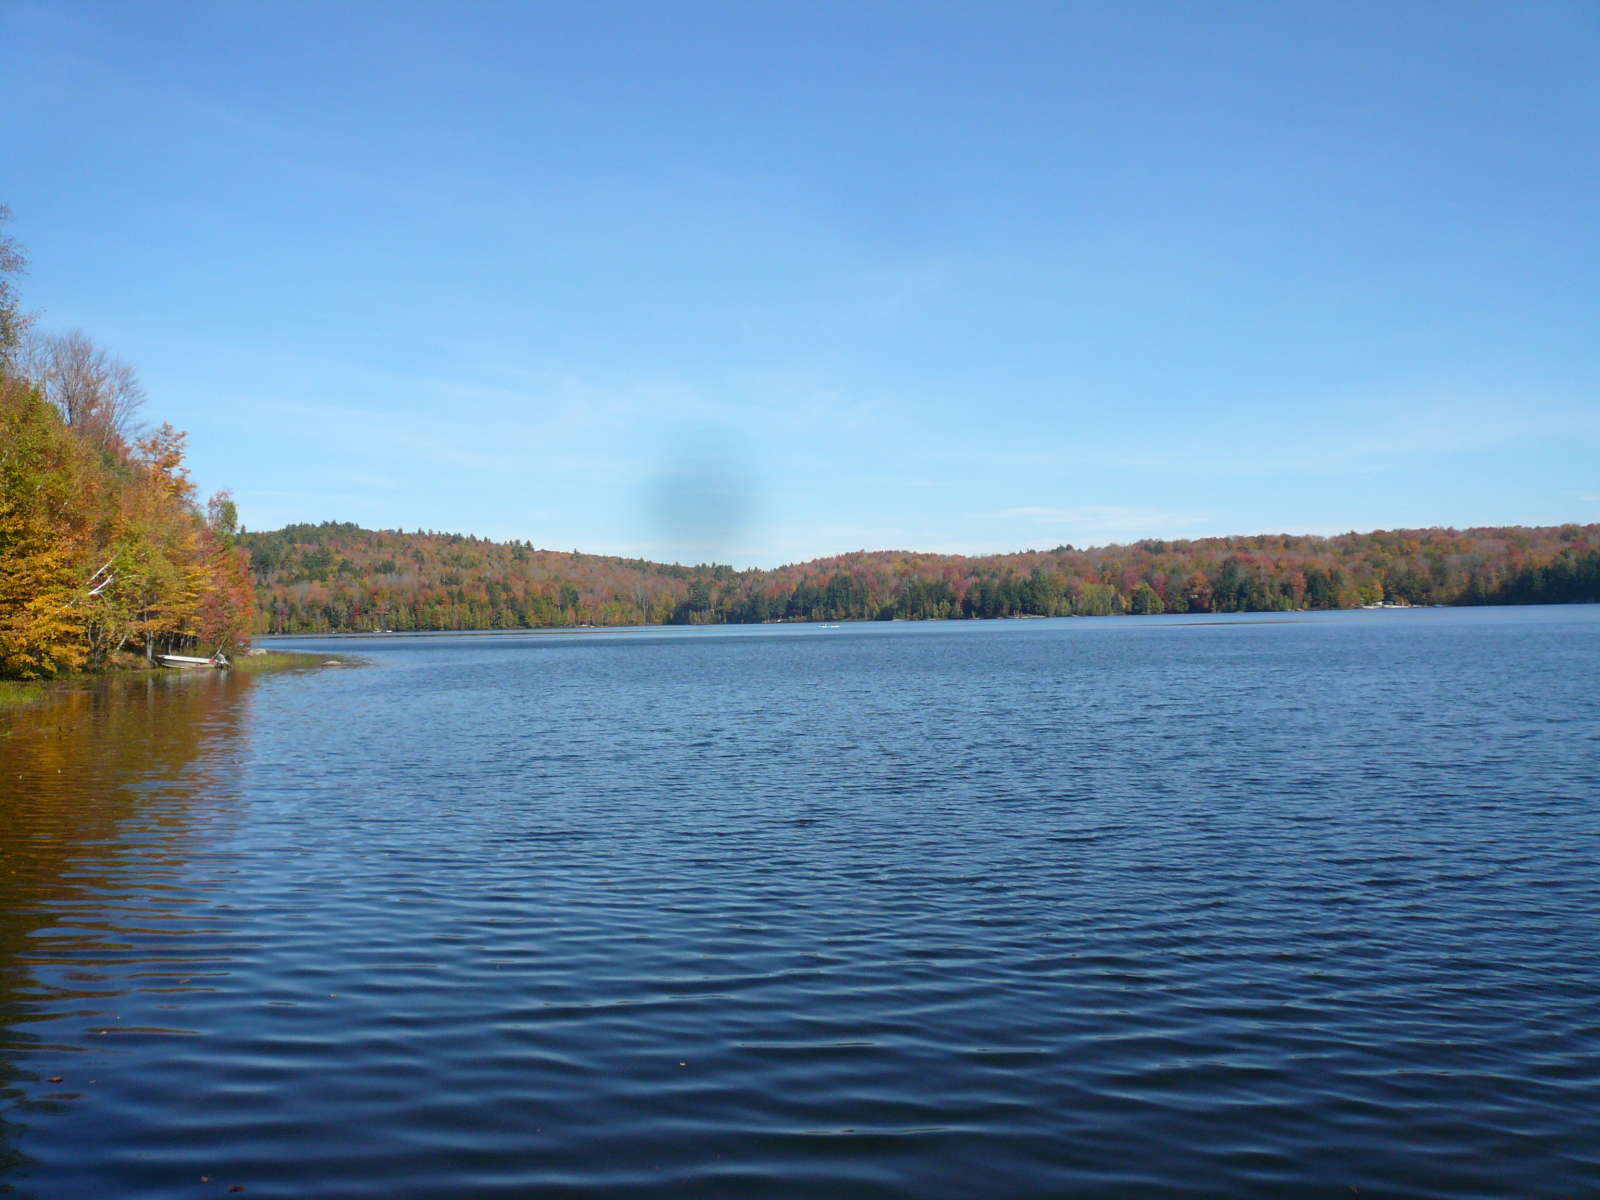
[339, 577]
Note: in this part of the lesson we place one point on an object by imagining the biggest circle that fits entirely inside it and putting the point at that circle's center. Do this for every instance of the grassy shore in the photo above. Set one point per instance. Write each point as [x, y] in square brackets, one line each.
[14, 694]
[284, 660]
[18, 693]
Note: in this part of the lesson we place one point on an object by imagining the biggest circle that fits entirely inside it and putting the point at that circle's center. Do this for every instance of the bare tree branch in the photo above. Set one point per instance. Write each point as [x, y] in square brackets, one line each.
[96, 393]
[13, 321]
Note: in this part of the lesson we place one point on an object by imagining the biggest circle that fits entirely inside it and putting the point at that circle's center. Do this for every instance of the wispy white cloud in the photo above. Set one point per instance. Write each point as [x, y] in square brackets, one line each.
[1102, 516]
[1321, 436]
[474, 439]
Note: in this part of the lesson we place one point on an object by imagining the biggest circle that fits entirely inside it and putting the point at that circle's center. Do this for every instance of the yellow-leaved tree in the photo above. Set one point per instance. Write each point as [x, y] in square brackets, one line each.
[46, 476]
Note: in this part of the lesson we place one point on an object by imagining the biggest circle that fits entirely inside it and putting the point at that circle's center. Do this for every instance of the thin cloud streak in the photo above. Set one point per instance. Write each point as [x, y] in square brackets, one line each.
[1102, 517]
[1346, 438]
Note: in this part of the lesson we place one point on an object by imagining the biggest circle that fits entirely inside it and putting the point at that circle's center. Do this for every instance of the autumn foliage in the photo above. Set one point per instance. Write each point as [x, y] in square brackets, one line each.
[339, 577]
[103, 549]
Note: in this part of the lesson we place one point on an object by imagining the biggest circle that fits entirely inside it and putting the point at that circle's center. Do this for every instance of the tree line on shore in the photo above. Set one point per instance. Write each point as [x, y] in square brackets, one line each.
[337, 577]
[105, 550]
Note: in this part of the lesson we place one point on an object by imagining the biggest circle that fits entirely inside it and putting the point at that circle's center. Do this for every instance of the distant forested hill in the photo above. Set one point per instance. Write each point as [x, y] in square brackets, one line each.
[339, 577]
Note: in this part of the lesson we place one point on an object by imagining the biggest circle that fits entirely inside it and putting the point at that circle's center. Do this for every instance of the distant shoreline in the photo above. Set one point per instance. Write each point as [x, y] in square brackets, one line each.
[1266, 617]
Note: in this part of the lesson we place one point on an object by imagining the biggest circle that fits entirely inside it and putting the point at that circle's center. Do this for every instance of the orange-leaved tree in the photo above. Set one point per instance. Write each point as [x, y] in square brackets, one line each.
[227, 605]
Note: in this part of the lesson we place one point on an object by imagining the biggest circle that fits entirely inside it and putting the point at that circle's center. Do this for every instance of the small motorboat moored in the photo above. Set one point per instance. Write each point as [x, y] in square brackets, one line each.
[189, 662]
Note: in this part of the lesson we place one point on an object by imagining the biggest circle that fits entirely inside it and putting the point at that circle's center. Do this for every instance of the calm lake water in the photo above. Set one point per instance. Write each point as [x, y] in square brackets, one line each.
[1285, 906]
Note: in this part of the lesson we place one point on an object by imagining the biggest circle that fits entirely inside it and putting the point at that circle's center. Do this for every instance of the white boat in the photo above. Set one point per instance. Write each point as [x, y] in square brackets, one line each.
[189, 662]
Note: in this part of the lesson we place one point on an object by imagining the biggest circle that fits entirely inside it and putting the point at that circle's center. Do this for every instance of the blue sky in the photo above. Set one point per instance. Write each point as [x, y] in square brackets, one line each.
[758, 282]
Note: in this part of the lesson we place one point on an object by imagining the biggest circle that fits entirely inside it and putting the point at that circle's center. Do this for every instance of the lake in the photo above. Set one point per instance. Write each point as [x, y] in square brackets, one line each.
[1300, 904]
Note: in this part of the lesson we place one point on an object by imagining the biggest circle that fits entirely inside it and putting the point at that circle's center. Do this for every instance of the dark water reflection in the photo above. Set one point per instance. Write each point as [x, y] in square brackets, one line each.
[1090, 908]
[105, 790]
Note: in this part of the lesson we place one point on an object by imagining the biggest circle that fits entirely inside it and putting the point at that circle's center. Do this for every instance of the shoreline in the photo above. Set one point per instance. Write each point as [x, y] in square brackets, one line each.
[28, 693]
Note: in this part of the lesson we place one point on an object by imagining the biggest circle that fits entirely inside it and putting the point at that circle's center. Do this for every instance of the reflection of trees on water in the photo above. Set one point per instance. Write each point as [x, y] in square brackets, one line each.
[104, 791]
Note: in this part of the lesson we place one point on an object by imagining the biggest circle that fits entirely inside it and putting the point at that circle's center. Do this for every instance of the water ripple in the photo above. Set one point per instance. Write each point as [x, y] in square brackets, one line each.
[1054, 908]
